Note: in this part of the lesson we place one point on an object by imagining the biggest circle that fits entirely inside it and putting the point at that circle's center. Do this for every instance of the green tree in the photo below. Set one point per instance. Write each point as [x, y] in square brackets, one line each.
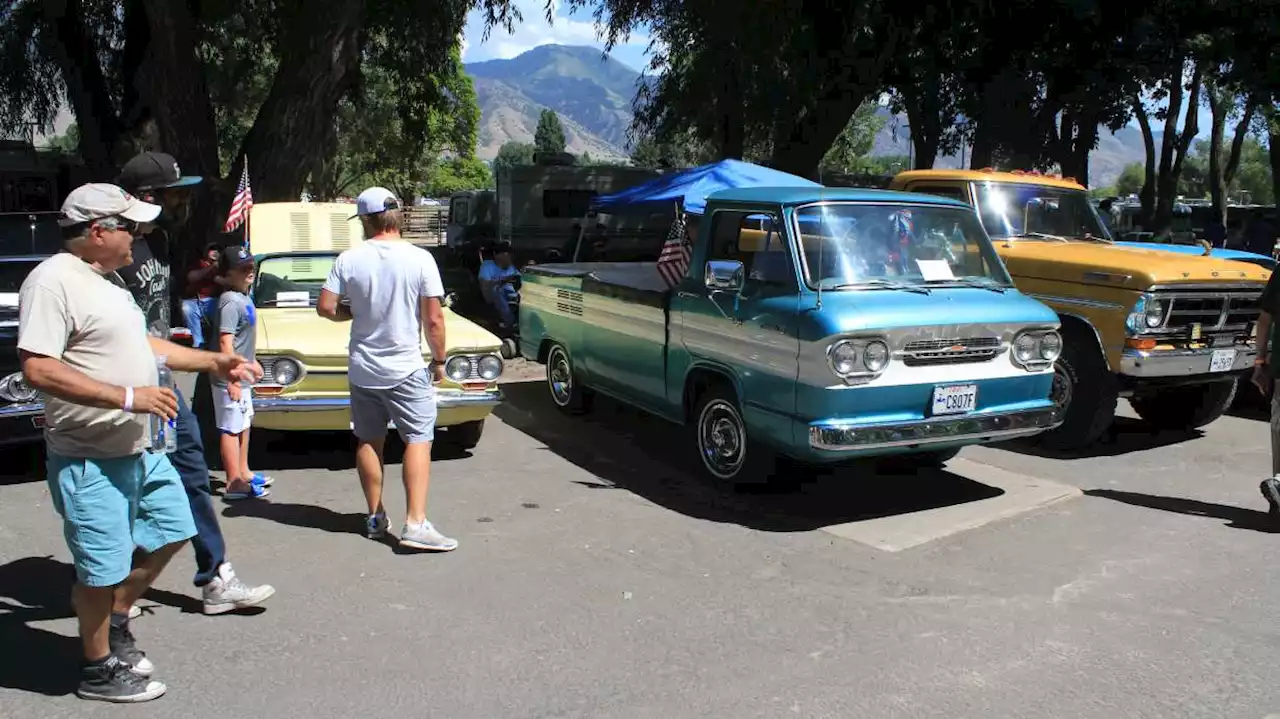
[513, 154]
[549, 138]
[677, 153]
[68, 142]
[852, 148]
[458, 174]
[1130, 180]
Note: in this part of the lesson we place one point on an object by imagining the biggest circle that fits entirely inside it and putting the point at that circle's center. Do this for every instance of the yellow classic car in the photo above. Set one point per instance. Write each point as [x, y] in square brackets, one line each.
[304, 356]
[1170, 331]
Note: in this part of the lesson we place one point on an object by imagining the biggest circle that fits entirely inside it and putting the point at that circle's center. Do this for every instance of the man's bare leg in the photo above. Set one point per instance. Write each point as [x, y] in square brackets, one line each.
[369, 467]
[417, 476]
[93, 611]
[143, 575]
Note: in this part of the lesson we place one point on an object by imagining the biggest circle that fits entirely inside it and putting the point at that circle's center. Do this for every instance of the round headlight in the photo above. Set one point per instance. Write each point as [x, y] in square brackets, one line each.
[844, 358]
[1024, 348]
[13, 388]
[1154, 314]
[285, 371]
[875, 356]
[1050, 346]
[490, 366]
[458, 368]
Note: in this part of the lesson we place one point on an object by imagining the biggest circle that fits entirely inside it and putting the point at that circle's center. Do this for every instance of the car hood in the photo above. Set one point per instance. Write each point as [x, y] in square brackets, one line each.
[303, 332]
[847, 311]
[1113, 265]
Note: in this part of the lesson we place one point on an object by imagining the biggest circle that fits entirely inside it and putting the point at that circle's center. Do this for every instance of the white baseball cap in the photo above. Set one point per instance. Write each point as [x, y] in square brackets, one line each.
[375, 200]
[97, 200]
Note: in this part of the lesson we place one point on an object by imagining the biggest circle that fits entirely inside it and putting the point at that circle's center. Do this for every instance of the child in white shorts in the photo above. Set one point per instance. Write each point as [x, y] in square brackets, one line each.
[233, 402]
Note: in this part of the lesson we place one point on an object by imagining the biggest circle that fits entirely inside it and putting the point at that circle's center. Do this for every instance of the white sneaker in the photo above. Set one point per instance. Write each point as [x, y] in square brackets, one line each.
[376, 526]
[425, 536]
[227, 593]
[135, 611]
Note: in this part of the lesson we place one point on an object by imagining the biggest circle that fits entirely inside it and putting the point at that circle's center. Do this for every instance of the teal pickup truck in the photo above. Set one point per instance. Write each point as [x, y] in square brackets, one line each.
[813, 323]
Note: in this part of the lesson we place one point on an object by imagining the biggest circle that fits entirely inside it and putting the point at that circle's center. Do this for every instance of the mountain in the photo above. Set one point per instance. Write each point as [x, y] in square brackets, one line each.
[592, 94]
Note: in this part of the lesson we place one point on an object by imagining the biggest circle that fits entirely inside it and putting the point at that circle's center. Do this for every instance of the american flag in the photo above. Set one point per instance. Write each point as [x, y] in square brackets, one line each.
[241, 204]
[673, 263]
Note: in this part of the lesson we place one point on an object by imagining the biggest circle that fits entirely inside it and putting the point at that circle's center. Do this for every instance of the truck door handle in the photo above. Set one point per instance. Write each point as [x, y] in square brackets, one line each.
[687, 295]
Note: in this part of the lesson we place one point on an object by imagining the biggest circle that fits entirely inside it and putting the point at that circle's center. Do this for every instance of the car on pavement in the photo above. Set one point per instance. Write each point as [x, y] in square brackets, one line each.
[21, 411]
[304, 356]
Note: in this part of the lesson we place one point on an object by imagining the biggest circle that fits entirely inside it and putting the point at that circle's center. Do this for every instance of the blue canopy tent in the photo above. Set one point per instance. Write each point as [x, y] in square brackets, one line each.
[691, 187]
[687, 190]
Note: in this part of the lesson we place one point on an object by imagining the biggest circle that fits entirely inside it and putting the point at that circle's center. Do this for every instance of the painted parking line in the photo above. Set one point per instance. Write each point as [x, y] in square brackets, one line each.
[1020, 494]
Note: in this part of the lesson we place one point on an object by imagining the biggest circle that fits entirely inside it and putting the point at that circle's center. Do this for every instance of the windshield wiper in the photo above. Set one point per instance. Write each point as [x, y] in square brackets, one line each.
[1043, 236]
[885, 284]
[981, 284]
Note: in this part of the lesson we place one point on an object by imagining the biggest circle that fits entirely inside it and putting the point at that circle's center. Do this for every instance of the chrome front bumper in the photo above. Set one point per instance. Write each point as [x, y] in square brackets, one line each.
[973, 429]
[1182, 363]
[28, 409]
[444, 400]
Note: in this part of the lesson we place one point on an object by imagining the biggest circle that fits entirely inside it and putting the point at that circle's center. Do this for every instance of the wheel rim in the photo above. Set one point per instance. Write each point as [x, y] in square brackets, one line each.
[722, 439]
[1062, 389]
[559, 377]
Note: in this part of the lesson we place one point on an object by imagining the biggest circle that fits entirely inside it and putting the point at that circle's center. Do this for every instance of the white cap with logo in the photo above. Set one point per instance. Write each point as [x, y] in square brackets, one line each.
[98, 200]
[375, 200]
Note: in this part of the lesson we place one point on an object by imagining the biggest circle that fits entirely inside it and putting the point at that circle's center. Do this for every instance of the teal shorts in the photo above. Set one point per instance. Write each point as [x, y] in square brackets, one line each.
[111, 506]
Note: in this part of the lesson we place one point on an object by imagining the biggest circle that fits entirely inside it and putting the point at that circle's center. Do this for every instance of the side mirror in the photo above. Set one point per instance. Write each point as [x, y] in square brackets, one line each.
[725, 276]
[450, 299]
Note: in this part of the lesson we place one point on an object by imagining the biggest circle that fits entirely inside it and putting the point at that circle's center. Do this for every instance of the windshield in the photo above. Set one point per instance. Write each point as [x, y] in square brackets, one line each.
[859, 244]
[13, 272]
[291, 281]
[1037, 212]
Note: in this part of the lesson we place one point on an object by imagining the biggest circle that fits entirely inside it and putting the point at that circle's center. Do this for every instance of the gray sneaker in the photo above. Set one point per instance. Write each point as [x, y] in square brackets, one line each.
[425, 536]
[227, 593]
[376, 526]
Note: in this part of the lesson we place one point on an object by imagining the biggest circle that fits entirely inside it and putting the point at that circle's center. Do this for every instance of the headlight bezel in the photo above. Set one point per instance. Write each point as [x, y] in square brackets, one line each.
[15, 390]
[1041, 355]
[858, 370]
[1148, 314]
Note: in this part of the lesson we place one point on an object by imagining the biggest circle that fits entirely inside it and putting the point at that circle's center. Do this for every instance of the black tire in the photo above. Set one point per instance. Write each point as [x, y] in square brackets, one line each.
[720, 442]
[1183, 408]
[464, 436]
[567, 393]
[1086, 389]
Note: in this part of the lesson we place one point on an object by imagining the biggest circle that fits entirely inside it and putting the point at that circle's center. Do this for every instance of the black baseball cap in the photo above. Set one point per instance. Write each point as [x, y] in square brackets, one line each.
[501, 247]
[233, 257]
[154, 171]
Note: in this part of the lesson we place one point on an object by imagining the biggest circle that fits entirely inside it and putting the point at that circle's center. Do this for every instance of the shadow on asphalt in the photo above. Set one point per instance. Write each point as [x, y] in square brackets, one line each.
[38, 589]
[629, 450]
[1126, 435]
[1236, 517]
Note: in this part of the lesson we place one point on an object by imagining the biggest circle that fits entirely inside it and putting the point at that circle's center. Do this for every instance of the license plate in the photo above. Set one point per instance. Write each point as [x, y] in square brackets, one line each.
[955, 399]
[1222, 360]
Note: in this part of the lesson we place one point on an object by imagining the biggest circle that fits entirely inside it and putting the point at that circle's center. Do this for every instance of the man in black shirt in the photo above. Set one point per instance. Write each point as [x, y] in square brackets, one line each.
[156, 177]
[1264, 378]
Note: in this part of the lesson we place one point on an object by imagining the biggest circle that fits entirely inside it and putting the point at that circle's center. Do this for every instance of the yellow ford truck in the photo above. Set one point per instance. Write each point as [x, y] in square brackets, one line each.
[1171, 332]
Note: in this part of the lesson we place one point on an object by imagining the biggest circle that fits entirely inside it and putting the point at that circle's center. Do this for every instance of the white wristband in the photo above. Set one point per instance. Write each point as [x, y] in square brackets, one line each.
[128, 399]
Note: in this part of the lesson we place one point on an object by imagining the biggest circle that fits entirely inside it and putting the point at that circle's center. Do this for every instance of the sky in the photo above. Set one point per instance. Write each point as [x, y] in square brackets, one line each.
[568, 29]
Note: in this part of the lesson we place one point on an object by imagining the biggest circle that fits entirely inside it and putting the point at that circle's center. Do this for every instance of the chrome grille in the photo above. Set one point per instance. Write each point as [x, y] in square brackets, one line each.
[1213, 311]
[961, 350]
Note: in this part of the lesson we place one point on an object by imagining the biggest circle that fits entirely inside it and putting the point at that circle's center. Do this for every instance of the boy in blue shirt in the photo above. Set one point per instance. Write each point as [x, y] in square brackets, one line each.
[497, 276]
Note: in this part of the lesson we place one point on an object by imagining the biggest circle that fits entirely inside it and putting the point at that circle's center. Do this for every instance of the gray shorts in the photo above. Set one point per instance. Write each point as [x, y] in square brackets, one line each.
[409, 406]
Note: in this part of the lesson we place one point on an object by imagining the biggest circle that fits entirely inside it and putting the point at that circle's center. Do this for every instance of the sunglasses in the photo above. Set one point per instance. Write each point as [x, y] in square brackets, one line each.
[118, 223]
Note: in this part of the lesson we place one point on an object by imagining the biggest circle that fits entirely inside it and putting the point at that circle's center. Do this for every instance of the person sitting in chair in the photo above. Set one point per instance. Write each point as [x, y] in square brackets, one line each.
[496, 277]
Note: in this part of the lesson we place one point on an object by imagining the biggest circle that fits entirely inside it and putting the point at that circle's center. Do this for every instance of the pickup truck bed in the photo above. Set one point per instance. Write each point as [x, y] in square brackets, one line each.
[636, 282]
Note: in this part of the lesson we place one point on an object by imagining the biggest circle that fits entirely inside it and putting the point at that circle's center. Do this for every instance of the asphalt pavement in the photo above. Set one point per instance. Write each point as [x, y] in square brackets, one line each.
[597, 577]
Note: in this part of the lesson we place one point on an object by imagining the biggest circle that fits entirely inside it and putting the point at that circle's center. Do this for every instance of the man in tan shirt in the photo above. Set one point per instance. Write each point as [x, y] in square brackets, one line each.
[83, 343]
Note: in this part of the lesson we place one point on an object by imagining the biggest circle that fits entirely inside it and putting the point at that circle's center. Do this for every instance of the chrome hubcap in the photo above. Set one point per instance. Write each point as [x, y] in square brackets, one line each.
[721, 439]
[559, 377]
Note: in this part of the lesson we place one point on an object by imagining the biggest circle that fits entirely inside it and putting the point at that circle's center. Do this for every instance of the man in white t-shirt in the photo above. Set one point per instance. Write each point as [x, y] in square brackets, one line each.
[391, 292]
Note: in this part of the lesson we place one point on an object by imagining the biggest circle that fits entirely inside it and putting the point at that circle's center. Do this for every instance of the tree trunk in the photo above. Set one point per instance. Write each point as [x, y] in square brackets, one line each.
[1273, 141]
[96, 119]
[1147, 196]
[1219, 105]
[731, 127]
[924, 113]
[1175, 144]
[1078, 135]
[319, 65]
[983, 152]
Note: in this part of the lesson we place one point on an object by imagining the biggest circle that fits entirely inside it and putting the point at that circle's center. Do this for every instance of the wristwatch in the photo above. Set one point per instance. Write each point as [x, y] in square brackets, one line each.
[435, 363]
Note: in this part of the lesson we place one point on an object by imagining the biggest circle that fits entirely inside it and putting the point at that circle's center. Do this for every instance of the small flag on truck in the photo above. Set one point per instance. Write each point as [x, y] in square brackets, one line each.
[673, 263]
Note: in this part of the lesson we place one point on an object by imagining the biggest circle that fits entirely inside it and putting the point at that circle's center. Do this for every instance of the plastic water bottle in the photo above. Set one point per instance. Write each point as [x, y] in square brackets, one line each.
[164, 432]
